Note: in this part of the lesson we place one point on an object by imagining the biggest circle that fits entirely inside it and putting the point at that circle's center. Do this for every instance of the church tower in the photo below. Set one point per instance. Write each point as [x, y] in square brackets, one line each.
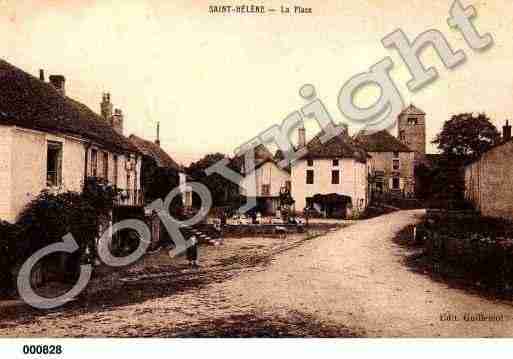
[411, 127]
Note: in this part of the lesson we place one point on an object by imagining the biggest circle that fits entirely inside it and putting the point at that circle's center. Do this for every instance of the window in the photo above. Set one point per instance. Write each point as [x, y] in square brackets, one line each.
[115, 175]
[309, 176]
[335, 177]
[94, 163]
[396, 154]
[335, 163]
[395, 183]
[309, 162]
[395, 164]
[412, 120]
[105, 162]
[402, 136]
[54, 164]
[266, 189]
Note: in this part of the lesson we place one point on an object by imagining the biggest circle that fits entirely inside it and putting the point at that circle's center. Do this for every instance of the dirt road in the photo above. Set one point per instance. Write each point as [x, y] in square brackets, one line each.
[355, 277]
[348, 282]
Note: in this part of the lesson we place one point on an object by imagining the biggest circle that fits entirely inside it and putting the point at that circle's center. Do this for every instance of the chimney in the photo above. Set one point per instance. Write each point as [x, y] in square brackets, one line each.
[58, 81]
[42, 75]
[506, 131]
[117, 121]
[157, 141]
[301, 142]
[106, 107]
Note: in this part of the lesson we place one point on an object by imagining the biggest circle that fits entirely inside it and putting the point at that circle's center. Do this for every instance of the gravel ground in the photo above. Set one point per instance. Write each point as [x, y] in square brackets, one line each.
[357, 276]
[163, 297]
[349, 282]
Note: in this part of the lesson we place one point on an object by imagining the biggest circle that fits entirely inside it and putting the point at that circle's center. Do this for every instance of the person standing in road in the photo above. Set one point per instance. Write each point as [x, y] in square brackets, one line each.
[192, 252]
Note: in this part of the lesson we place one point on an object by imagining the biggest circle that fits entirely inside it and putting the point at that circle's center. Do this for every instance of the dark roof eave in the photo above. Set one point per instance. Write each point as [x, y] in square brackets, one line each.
[27, 102]
[154, 152]
[320, 157]
[87, 139]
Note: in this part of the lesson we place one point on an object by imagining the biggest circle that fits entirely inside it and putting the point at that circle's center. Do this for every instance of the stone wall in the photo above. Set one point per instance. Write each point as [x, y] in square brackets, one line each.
[489, 182]
[5, 172]
[383, 161]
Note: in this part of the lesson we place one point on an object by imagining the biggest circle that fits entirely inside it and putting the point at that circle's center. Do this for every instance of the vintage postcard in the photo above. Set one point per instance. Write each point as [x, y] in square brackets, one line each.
[203, 169]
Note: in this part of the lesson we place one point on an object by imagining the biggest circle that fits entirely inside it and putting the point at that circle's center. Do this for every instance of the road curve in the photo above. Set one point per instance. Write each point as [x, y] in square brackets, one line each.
[355, 276]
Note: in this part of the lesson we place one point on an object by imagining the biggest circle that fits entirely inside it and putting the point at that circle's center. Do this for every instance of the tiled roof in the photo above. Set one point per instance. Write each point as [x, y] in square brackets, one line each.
[381, 141]
[340, 146]
[28, 102]
[412, 110]
[262, 155]
[151, 149]
[278, 157]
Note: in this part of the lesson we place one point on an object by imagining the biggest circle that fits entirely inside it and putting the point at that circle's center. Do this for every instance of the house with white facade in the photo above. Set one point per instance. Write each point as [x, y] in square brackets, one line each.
[50, 141]
[265, 181]
[332, 177]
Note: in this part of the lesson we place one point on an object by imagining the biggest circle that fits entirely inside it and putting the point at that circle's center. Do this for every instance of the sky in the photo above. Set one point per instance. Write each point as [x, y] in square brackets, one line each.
[215, 81]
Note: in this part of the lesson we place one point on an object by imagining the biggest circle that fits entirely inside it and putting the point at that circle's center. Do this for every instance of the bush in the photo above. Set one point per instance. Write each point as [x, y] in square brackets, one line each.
[479, 249]
[8, 234]
[49, 217]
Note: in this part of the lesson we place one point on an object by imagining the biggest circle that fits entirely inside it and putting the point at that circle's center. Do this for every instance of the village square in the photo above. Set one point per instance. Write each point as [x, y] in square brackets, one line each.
[389, 219]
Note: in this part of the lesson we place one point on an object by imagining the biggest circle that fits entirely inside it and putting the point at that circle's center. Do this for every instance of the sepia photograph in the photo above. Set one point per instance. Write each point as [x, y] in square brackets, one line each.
[175, 170]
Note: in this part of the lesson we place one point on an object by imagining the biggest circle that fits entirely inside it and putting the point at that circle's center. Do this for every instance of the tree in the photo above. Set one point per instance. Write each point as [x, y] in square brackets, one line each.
[158, 181]
[223, 191]
[466, 135]
[448, 181]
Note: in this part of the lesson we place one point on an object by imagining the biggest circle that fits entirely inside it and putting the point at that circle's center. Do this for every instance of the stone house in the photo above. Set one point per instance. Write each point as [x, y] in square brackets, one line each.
[332, 176]
[395, 159]
[489, 179]
[392, 163]
[411, 129]
[50, 141]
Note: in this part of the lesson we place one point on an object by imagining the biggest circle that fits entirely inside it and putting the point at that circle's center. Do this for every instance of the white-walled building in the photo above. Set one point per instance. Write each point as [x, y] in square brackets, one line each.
[265, 181]
[331, 177]
[269, 180]
[49, 141]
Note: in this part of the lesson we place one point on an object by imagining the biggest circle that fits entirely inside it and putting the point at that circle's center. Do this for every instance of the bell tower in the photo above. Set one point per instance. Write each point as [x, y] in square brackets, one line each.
[411, 127]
